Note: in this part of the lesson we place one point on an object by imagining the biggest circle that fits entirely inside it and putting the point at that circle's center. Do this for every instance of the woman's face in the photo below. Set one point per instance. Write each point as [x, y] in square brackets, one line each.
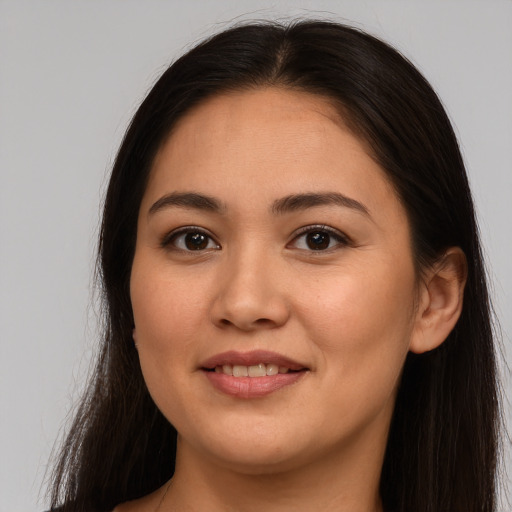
[273, 284]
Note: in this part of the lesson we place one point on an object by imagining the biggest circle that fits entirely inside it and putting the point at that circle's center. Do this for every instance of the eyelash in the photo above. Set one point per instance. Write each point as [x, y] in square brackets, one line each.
[341, 239]
[169, 240]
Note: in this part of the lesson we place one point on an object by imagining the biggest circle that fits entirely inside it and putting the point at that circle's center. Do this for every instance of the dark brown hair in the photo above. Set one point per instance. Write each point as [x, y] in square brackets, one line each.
[442, 447]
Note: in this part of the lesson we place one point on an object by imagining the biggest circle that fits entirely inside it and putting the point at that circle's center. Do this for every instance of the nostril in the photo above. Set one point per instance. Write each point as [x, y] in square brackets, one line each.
[263, 321]
[249, 325]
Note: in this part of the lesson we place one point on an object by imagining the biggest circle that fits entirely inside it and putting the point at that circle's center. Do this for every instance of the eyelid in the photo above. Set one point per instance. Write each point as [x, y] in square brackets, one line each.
[339, 236]
[167, 240]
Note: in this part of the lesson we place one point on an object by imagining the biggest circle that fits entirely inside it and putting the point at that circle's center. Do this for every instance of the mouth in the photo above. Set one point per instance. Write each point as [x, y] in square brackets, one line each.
[252, 374]
[256, 370]
[256, 363]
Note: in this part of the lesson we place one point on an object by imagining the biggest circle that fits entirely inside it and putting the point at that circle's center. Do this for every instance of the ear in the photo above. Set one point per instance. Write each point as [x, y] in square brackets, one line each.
[440, 301]
[134, 336]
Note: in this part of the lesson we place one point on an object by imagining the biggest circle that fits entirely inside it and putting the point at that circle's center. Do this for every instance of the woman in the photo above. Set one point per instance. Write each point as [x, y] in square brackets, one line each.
[296, 307]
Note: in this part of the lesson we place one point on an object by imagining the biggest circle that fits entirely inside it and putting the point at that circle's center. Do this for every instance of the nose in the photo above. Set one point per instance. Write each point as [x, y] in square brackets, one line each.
[251, 294]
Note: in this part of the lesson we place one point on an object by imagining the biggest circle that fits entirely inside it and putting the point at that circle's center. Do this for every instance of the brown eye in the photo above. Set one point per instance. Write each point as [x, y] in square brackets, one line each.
[190, 239]
[196, 241]
[318, 240]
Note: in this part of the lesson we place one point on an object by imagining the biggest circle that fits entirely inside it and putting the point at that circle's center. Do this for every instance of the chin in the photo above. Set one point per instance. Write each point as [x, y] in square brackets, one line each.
[251, 462]
[256, 450]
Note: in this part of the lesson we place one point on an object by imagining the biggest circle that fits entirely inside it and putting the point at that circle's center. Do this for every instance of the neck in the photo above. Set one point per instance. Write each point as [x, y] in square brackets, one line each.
[342, 481]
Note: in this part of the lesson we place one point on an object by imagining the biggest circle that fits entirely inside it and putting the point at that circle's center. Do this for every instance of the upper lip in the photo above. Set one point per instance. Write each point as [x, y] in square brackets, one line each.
[251, 358]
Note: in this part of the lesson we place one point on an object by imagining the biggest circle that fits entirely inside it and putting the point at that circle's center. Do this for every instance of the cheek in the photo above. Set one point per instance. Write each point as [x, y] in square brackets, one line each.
[164, 302]
[362, 323]
[167, 315]
[360, 300]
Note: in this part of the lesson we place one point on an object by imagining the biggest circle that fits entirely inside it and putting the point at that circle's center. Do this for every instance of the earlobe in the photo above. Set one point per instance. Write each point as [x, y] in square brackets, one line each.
[440, 301]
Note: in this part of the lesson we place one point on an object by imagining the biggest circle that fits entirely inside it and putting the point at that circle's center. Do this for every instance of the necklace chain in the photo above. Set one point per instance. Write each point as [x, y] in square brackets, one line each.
[163, 497]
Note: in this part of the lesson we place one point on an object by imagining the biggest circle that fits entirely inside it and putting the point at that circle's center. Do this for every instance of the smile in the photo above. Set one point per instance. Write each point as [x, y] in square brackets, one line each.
[245, 375]
[258, 370]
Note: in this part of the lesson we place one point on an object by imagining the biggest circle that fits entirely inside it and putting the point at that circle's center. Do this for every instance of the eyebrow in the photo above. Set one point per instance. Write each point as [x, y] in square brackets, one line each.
[297, 202]
[287, 204]
[187, 200]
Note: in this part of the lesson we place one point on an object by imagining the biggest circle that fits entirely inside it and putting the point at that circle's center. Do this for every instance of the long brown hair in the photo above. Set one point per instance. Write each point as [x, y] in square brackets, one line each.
[442, 447]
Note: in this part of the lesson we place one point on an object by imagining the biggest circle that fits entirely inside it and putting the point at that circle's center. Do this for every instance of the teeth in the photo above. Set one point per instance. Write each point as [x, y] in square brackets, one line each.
[240, 371]
[259, 370]
[272, 369]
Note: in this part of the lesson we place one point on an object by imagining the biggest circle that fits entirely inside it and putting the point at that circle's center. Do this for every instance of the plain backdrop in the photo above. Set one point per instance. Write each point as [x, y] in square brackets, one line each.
[72, 75]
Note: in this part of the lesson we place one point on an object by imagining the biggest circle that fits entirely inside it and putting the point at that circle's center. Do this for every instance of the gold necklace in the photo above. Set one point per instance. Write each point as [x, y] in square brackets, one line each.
[163, 497]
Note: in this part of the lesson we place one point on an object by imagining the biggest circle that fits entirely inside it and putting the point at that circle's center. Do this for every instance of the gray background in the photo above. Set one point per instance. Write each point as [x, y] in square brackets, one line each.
[71, 76]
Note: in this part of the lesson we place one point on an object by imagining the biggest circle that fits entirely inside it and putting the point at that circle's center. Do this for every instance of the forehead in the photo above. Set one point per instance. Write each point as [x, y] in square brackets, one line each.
[228, 118]
[266, 104]
[265, 143]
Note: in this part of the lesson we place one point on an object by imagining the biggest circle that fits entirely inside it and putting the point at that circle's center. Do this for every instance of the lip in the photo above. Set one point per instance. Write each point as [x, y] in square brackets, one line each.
[251, 358]
[252, 387]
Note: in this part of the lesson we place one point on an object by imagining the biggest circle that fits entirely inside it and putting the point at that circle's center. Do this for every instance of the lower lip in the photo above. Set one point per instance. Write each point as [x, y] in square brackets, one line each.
[252, 387]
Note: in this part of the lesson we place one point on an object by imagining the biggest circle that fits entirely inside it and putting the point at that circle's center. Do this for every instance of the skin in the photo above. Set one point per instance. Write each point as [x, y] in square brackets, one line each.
[349, 313]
